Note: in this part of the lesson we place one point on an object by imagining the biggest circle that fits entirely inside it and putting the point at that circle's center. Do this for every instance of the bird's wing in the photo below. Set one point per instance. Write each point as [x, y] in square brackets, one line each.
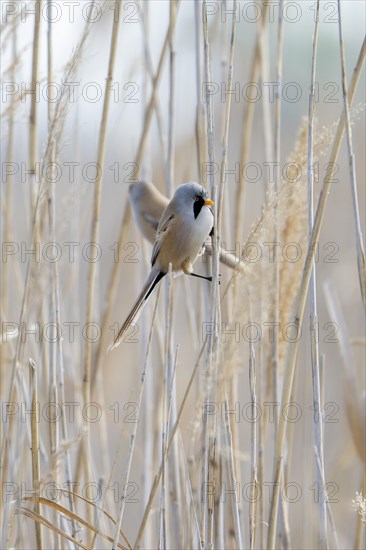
[151, 220]
[163, 226]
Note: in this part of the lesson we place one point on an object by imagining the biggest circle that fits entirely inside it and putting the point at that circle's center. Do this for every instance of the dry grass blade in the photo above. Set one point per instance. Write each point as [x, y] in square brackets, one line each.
[106, 514]
[37, 517]
[75, 517]
[43, 521]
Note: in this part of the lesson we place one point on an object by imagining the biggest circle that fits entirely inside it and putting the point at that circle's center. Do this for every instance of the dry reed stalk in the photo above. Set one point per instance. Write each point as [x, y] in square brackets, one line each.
[191, 496]
[220, 506]
[361, 264]
[233, 482]
[60, 378]
[150, 71]
[171, 128]
[174, 490]
[225, 138]
[54, 438]
[264, 75]
[298, 318]
[226, 230]
[273, 364]
[274, 358]
[148, 397]
[277, 119]
[329, 509]
[173, 467]
[38, 228]
[33, 146]
[33, 383]
[168, 395]
[226, 111]
[50, 106]
[317, 402]
[95, 229]
[208, 434]
[253, 449]
[171, 438]
[167, 356]
[200, 123]
[9, 186]
[51, 205]
[151, 106]
[260, 450]
[247, 128]
[5, 351]
[134, 428]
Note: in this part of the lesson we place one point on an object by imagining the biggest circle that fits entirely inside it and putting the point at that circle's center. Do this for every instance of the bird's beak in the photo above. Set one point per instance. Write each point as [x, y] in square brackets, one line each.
[209, 202]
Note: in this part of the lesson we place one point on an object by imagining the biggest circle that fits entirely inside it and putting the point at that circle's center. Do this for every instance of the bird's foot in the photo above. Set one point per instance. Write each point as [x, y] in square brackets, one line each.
[201, 277]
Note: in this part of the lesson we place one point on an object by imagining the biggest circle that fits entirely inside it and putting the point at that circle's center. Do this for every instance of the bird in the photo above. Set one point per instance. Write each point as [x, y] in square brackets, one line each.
[186, 223]
[148, 204]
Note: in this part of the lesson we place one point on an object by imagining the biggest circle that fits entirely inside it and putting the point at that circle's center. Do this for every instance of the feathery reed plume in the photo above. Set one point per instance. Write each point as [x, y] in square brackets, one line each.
[359, 504]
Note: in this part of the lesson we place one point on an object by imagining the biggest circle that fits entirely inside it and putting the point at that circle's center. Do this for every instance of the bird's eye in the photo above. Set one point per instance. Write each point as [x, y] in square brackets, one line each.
[196, 199]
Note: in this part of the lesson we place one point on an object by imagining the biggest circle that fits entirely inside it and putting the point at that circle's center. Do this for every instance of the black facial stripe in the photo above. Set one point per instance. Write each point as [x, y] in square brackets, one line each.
[197, 206]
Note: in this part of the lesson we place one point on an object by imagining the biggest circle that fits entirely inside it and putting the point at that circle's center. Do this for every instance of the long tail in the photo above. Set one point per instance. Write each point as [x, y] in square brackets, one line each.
[151, 282]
